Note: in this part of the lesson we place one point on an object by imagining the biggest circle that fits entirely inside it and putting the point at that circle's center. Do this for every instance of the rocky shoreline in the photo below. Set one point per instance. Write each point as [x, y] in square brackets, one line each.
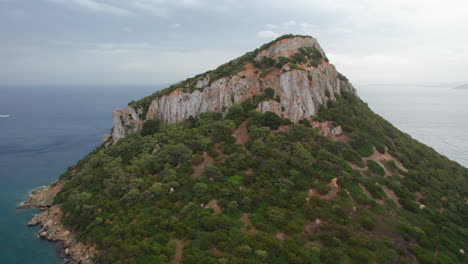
[51, 227]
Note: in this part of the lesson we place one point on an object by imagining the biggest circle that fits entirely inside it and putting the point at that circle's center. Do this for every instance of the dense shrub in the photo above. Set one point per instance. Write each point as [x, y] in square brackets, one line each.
[133, 199]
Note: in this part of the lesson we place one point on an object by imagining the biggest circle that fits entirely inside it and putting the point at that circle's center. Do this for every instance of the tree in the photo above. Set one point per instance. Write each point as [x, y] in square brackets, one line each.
[131, 196]
[236, 112]
[157, 189]
[199, 189]
[150, 127]
[271, 120]
[213, 172]
[233, 207]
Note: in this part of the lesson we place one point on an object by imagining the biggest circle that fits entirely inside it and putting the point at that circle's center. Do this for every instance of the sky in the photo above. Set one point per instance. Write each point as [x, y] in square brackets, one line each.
[152, 42]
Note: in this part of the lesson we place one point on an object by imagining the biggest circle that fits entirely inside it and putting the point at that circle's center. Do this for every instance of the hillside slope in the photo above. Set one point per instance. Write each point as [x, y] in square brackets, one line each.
[249, 184]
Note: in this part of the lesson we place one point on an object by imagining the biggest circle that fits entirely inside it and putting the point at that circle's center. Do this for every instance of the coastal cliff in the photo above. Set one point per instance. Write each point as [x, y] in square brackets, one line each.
[295, 67]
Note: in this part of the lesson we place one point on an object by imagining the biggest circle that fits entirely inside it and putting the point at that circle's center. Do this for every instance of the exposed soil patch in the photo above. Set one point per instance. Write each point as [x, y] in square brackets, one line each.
[419, 196]
[342, 138]
[213, 204]
[312, 226]
[248, 225]
[381, 159]
[207, 160]
[179, 250]
[241, 133]
[281, 236]
[335, 188]
[391, 194]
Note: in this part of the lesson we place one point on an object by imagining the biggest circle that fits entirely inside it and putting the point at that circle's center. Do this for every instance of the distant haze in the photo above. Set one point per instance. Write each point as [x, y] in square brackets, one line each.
[56, 42]
[462, 87]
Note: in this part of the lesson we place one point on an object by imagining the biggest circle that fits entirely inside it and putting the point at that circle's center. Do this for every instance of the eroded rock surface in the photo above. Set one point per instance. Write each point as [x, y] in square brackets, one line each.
[51, 227]
[42, 197]
[300, 91]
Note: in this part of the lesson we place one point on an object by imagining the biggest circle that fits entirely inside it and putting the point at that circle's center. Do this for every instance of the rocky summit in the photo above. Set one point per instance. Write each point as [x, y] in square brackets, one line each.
[270, 158]
[295, 67]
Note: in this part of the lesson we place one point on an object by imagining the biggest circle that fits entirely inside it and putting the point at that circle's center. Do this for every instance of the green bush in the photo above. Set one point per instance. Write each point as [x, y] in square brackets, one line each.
[150, 127]
[375, 168]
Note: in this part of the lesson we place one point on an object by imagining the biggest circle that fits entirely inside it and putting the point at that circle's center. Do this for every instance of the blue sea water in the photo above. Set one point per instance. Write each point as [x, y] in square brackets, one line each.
[48, 130]
[51, 128]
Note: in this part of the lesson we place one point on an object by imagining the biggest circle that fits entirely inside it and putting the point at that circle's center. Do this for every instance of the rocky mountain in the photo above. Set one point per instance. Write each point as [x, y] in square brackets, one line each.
[295, 67]
[270, 158]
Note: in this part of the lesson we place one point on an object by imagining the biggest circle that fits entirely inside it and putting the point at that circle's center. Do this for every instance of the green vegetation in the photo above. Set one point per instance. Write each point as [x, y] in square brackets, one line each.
[133, 199]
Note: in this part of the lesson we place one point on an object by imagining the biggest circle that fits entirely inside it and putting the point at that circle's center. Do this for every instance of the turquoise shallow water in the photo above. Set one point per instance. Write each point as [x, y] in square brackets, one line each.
[49, 130]
[52, 128]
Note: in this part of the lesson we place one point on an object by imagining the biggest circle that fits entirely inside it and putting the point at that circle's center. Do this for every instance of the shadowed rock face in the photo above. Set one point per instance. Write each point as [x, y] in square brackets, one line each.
[301, 91]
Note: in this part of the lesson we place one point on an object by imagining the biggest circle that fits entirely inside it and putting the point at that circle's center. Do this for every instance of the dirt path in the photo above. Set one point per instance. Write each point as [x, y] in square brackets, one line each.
[382, 158]
[436, 254]
[208, 160]
[179, 250]
[391, 194]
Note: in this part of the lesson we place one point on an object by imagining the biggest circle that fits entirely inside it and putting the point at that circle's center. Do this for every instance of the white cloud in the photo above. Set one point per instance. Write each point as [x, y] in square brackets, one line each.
[267, 34]
[289, 23]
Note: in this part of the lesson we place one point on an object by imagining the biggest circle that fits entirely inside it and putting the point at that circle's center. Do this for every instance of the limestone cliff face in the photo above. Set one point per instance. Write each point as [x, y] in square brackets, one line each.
[125, 121]
[300, 88]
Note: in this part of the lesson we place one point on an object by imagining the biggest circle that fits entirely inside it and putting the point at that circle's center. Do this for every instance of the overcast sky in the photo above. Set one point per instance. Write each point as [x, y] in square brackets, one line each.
[62, 42]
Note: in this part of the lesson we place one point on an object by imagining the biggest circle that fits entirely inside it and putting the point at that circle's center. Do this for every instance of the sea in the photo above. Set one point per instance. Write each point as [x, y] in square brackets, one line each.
[51, 128]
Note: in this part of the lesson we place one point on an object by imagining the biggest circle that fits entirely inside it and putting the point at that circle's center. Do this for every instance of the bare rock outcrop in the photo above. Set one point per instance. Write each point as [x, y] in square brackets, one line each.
[125, 121]
[42, 197]
[51, 227]
[300, 90]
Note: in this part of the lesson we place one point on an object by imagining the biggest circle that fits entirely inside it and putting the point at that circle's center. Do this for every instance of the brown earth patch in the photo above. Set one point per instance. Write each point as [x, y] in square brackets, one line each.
[419, 196]
[311, 227]
[335, 188]
[213, 204]
[281, 236]
[382, 158]
[207, 160]
[391, 194]
[179, 250]
[241, 133]
[245, 219]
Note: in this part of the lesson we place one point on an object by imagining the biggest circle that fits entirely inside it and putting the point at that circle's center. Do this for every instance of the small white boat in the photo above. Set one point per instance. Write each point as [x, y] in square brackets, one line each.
[4, 115]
